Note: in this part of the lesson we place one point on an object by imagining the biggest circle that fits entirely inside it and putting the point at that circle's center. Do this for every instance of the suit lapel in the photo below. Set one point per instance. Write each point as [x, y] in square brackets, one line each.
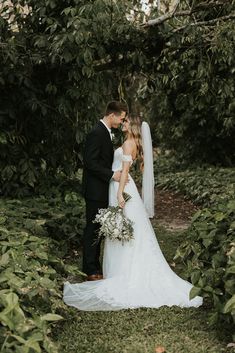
[104, 128]
[107, 133]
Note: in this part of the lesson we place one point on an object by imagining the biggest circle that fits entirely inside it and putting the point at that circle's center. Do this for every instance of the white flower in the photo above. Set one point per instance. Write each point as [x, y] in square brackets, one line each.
[114, 224]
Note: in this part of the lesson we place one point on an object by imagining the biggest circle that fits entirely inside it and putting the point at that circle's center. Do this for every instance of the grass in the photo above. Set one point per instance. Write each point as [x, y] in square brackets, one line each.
[142, 330]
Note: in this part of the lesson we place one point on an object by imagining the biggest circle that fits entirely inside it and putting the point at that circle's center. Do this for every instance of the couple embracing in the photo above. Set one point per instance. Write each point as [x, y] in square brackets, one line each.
[134, 274]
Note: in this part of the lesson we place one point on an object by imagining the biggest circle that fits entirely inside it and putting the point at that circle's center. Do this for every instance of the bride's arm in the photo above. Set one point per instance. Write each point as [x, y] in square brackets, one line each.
[127, 150]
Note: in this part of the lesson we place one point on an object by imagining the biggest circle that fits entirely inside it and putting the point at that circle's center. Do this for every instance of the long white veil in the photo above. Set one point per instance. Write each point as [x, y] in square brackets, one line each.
[148, 174]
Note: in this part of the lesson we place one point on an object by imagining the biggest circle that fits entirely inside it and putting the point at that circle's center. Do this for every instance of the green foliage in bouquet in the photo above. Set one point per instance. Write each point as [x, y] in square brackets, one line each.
[114, 225]
[209, 255]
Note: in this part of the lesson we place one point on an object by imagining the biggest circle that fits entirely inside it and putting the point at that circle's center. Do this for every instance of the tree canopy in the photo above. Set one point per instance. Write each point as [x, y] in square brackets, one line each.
[63, 60]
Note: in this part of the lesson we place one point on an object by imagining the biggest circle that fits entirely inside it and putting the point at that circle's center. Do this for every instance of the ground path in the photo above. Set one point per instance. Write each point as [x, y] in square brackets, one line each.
[172, 211]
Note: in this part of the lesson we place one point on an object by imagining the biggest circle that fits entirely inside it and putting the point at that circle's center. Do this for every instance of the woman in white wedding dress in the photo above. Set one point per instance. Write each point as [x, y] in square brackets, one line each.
[136, 274]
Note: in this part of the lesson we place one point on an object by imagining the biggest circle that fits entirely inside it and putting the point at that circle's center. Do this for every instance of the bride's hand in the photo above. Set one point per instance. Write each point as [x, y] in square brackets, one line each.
[121, 201]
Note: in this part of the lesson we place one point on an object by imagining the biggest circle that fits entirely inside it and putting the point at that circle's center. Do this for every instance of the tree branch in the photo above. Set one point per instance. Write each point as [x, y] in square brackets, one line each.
[207, 23]
[173, 13]
[162, 18]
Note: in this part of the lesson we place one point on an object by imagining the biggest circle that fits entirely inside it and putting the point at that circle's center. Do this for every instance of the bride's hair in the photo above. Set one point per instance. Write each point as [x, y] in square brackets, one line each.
[135, 130]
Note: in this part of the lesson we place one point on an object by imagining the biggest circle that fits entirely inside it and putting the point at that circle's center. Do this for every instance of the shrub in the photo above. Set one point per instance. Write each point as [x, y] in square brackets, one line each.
[30, 294]
[209, 254]
[32, 270]
[204, 185]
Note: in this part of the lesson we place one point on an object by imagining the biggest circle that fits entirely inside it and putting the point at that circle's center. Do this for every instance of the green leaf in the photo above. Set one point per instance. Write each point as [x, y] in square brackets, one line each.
[87, 57]
[230, 305]
[195, 277]
[2, 220]
[33, 344]
[4, 259]
[213, 318]
[20, 339]
[232, 225]
[195, 291]
[12, 300]
[219, 216]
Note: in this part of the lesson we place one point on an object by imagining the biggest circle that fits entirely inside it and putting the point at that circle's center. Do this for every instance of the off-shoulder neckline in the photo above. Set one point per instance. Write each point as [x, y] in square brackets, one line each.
[126, 154]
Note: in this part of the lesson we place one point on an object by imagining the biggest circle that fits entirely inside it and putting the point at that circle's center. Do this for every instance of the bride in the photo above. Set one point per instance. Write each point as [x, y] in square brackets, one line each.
[136, 274]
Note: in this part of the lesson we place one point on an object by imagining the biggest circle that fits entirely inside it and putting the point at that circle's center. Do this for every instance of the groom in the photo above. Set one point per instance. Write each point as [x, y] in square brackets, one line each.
[97, 173]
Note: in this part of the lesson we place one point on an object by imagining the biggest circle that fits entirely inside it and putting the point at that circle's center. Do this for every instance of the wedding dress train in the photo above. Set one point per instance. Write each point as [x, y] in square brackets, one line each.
[136, 274]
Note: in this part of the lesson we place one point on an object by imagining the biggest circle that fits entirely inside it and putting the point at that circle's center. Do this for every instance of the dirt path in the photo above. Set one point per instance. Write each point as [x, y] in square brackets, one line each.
[172, 211]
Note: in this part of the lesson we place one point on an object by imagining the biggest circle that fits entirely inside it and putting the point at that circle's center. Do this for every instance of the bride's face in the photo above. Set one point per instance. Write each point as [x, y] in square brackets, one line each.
[125, 125]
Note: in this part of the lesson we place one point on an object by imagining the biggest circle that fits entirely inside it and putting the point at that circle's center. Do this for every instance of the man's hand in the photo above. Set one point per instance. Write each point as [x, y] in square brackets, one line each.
[117, 175]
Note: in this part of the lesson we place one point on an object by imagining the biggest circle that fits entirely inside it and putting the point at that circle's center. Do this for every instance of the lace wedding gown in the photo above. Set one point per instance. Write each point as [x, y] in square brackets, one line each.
[136, 274]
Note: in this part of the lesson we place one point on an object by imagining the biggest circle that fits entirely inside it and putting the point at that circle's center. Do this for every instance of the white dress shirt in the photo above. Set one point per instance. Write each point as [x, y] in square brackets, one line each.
[109, 130]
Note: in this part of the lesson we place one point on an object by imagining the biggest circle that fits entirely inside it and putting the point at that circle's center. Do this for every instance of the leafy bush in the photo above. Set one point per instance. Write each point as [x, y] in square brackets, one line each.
[30, 293]
[190, 91]
[209, 254]
[67, 226]
[60, 215]
[32, 271]
[208, 251]
[59, 68]
[205, 185]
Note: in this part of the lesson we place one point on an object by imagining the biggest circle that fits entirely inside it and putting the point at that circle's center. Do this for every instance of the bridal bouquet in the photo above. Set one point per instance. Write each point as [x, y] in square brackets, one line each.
[114, 224]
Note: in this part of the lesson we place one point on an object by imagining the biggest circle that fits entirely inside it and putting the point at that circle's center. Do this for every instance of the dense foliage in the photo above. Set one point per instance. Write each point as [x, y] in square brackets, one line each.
[209, 253]
[29, 293]
[190, 91]
[63, 60]
[35, 236]
[61, 64]
[205, 185]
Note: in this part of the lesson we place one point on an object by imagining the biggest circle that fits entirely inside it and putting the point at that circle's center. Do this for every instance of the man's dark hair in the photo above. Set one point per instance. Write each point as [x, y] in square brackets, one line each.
[116, 107]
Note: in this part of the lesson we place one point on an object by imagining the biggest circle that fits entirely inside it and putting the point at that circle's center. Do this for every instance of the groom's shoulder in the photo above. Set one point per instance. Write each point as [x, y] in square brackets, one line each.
[96, 130]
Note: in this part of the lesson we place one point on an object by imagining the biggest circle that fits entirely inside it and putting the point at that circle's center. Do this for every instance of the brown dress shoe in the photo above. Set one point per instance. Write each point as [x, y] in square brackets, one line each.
[94, 277]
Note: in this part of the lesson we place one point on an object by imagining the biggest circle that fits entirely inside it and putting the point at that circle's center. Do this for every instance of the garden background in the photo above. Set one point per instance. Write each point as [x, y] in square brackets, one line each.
[173, 63]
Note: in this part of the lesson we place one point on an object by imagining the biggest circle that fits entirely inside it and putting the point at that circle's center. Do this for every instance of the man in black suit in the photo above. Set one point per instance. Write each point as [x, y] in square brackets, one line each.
[97, 173]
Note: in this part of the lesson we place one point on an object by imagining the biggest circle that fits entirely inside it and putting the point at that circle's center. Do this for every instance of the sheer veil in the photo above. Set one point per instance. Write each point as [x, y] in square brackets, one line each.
[148, 174]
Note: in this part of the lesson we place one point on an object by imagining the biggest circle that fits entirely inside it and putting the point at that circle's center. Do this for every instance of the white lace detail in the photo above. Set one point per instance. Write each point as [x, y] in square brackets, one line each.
[127, 158]
[118, 159]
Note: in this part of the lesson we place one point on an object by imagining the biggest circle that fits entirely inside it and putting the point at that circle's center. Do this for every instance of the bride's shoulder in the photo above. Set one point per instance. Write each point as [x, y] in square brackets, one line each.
[128, 146]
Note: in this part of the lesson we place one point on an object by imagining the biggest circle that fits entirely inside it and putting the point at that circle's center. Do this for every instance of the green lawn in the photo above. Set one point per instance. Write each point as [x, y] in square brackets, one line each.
[142, 330]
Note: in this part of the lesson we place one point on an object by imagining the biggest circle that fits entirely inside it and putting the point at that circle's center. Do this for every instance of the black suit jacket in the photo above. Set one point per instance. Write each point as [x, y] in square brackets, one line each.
[97, 164]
